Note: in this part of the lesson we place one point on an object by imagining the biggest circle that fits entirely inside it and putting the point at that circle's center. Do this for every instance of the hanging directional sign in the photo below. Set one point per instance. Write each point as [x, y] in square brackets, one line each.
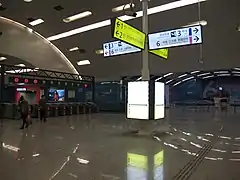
[160, 52]
[118, 48]
[129, 34]
[176, 37]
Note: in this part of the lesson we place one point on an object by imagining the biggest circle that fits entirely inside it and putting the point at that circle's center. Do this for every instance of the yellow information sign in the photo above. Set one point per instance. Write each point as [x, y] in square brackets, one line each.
[160, 52]
[137, 160]
[124, 32]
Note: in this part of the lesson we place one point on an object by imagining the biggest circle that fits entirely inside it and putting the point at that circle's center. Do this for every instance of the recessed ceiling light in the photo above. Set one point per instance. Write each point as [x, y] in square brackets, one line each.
[99, 51]
[2, 58]
[74, 49]
[77, 16]
[27, 0]
[36, 22]
[83, 62]
[238, 28]
[122, 7]
[154, 10]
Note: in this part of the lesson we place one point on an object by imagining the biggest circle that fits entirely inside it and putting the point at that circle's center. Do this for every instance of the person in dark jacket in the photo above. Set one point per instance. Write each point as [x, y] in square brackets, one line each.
[24, 111]
[42, 108]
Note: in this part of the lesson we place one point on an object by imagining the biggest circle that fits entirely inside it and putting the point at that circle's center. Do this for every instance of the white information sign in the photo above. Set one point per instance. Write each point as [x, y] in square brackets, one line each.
[137, 103]
[176, 37]
[118, 48]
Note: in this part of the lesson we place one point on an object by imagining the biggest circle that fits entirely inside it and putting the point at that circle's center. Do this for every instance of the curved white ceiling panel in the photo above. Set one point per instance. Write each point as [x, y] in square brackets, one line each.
[20, 41]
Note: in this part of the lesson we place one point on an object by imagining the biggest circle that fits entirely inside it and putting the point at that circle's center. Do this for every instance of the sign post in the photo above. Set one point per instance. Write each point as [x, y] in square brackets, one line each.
[145, 62]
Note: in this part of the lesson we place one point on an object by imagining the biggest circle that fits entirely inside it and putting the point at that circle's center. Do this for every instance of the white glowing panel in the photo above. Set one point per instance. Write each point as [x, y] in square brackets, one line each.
[137, 105]
[118, 48]
[176, 37]
[159, 106]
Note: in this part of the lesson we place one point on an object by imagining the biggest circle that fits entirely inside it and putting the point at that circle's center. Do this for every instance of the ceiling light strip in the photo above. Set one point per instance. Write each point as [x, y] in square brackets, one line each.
[154, 10]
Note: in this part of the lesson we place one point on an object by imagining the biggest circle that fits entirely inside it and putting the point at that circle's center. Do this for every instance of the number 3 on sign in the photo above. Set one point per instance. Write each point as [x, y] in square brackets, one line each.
[158, 43]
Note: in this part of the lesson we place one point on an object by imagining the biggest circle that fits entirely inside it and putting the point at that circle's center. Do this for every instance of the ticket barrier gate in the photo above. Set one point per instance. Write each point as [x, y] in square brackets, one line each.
[61, 109]
[69, 109]
[10, 111]
[52, 110]
[34, 109]
[82, 108]
[75, 109]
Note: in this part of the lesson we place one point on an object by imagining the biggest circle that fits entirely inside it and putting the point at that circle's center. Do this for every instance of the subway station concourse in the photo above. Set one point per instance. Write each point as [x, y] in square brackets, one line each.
[130, 89]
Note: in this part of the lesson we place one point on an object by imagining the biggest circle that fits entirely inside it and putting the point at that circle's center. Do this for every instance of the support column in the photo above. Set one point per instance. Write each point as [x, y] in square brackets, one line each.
[2, 82]
[145, 66]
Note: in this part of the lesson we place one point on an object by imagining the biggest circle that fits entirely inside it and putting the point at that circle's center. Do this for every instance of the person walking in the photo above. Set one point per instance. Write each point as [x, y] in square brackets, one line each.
[42, 108]
[24, 111]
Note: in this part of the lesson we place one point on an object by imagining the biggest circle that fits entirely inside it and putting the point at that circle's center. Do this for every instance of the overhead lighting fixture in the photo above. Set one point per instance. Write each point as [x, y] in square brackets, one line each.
[182, 76]
[83, 62]
[21, 71]
[169, 81]
[77, 16]
[202, 23]
[221, 72]
[154, 10]
[99, 51]
[123, 7]
[238, 69]
[74, 49]
[21, 65]
[204, 74]
[187, 79]
[177, 83]
[158, 78]
[36, 22]
[207, 77]
[27, 0]
[139, 79]
[194, 72]
[2, 58]
[224, 75]
[169, 74]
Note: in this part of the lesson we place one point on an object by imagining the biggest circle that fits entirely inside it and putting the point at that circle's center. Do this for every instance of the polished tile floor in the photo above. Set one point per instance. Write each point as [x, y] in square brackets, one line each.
[188, 144]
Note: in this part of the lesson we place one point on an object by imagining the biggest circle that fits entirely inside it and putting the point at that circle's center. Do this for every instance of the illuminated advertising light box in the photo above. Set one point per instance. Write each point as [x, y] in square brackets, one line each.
[128, 34]
[158, 166]
[176, 37]
[137, 167]
[137, 104]
[145, 100]
[159, 107]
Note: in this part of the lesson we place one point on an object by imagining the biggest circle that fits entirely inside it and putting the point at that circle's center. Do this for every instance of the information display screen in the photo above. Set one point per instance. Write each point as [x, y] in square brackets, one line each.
[159, 106]
[118, 48]
[127, 33]
[175, 37]
[138, 100]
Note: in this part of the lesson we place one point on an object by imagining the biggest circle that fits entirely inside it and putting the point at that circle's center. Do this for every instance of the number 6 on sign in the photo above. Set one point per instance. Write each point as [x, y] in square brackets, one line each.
[158, 43]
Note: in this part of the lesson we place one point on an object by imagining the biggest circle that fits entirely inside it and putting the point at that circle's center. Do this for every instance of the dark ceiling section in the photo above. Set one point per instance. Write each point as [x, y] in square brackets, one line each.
[221, 47]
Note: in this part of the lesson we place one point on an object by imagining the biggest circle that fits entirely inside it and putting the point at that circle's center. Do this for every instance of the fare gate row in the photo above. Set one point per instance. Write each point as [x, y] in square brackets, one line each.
[11, 111]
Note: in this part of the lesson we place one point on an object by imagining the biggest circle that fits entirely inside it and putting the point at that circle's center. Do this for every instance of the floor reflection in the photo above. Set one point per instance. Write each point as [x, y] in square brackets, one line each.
[99, 148]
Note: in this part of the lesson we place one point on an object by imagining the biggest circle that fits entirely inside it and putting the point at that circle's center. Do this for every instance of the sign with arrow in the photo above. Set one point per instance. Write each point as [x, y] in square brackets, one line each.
[128, 34]
[116, 48]
[176, 37]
